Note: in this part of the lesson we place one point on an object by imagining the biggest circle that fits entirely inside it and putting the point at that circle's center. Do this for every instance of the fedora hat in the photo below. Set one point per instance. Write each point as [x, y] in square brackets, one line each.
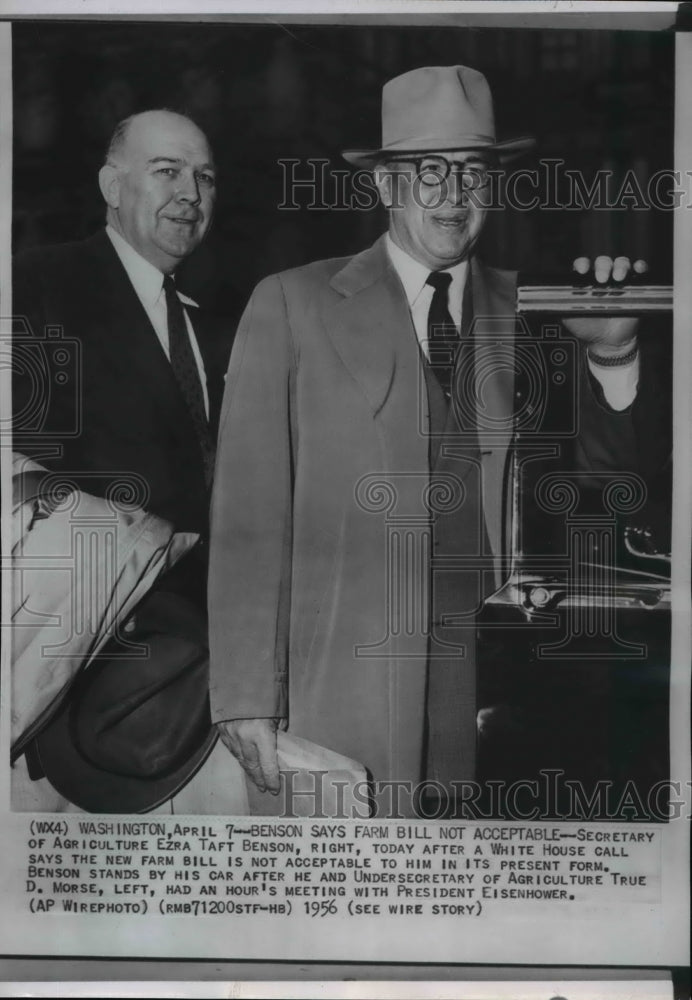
[437, 109]
[134, 729]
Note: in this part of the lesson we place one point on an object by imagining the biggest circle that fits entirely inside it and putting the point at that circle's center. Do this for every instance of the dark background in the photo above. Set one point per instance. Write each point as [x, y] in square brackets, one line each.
[597, 99]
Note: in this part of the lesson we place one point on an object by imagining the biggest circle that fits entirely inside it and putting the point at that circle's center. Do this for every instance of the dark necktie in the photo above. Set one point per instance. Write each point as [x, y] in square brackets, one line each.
[443, 336]
[187, 375]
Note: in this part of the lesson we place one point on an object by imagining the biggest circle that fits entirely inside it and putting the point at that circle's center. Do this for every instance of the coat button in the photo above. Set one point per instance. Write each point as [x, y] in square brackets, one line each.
[130, 625]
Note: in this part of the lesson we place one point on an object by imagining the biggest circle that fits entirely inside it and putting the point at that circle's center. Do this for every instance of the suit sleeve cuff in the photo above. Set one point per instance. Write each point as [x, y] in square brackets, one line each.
[619, 385]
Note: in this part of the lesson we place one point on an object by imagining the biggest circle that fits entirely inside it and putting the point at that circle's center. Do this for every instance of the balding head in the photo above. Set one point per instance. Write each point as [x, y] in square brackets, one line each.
[141, 122]
[159, 185]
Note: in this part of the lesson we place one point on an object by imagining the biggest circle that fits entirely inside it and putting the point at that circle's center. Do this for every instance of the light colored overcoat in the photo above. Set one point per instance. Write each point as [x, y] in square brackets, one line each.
[320, 523]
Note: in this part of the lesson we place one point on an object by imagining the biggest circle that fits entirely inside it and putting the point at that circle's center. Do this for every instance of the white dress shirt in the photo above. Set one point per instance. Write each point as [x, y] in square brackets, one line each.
[147, 282]
[419, 295]
[619, 384]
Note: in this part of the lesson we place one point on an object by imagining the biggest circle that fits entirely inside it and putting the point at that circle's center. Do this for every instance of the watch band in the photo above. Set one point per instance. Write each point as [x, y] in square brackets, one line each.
[613, 360]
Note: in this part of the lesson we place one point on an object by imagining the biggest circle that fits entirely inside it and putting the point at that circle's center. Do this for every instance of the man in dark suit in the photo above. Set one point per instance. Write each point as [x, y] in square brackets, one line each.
[359, 501]
[137, 402]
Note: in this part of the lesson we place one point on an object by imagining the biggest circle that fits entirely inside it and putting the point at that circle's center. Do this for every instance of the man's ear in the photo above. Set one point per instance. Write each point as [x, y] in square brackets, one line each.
[109, 182]
[384, 182]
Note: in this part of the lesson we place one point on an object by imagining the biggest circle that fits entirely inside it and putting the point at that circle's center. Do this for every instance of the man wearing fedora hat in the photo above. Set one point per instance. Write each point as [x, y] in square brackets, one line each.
[358, 502]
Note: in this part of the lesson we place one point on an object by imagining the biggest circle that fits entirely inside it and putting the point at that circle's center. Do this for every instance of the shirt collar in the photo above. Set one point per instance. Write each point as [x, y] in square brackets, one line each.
[414, 275]
[146, 279]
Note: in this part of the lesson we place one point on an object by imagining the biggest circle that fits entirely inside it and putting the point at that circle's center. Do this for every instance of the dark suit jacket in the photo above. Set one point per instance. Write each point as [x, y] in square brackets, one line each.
[94, 394]
[120, 409]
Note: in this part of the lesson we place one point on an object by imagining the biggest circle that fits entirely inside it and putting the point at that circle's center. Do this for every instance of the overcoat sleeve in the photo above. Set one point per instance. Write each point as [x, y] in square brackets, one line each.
[251, 523]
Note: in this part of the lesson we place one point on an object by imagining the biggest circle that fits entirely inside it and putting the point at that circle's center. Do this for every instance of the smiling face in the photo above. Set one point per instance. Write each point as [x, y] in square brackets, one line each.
[160, 188]
[437, 224]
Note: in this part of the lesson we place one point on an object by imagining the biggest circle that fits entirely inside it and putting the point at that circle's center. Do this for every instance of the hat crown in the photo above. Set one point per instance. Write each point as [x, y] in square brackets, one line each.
[437, 107]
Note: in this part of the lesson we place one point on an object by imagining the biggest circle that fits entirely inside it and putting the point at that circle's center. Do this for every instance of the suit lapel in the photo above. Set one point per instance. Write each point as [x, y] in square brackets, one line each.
[494, 332]
[210, 333]
[367, 325]
[132, 345]
[494, 343]
[371, 327]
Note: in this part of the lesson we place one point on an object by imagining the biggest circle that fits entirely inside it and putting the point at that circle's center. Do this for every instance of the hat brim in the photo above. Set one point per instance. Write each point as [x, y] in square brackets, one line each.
[505, 151]
[181, 656]
[99, 791]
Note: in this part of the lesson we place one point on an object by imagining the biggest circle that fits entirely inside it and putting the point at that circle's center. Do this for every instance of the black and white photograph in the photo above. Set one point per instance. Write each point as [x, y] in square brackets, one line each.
[346, 501]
